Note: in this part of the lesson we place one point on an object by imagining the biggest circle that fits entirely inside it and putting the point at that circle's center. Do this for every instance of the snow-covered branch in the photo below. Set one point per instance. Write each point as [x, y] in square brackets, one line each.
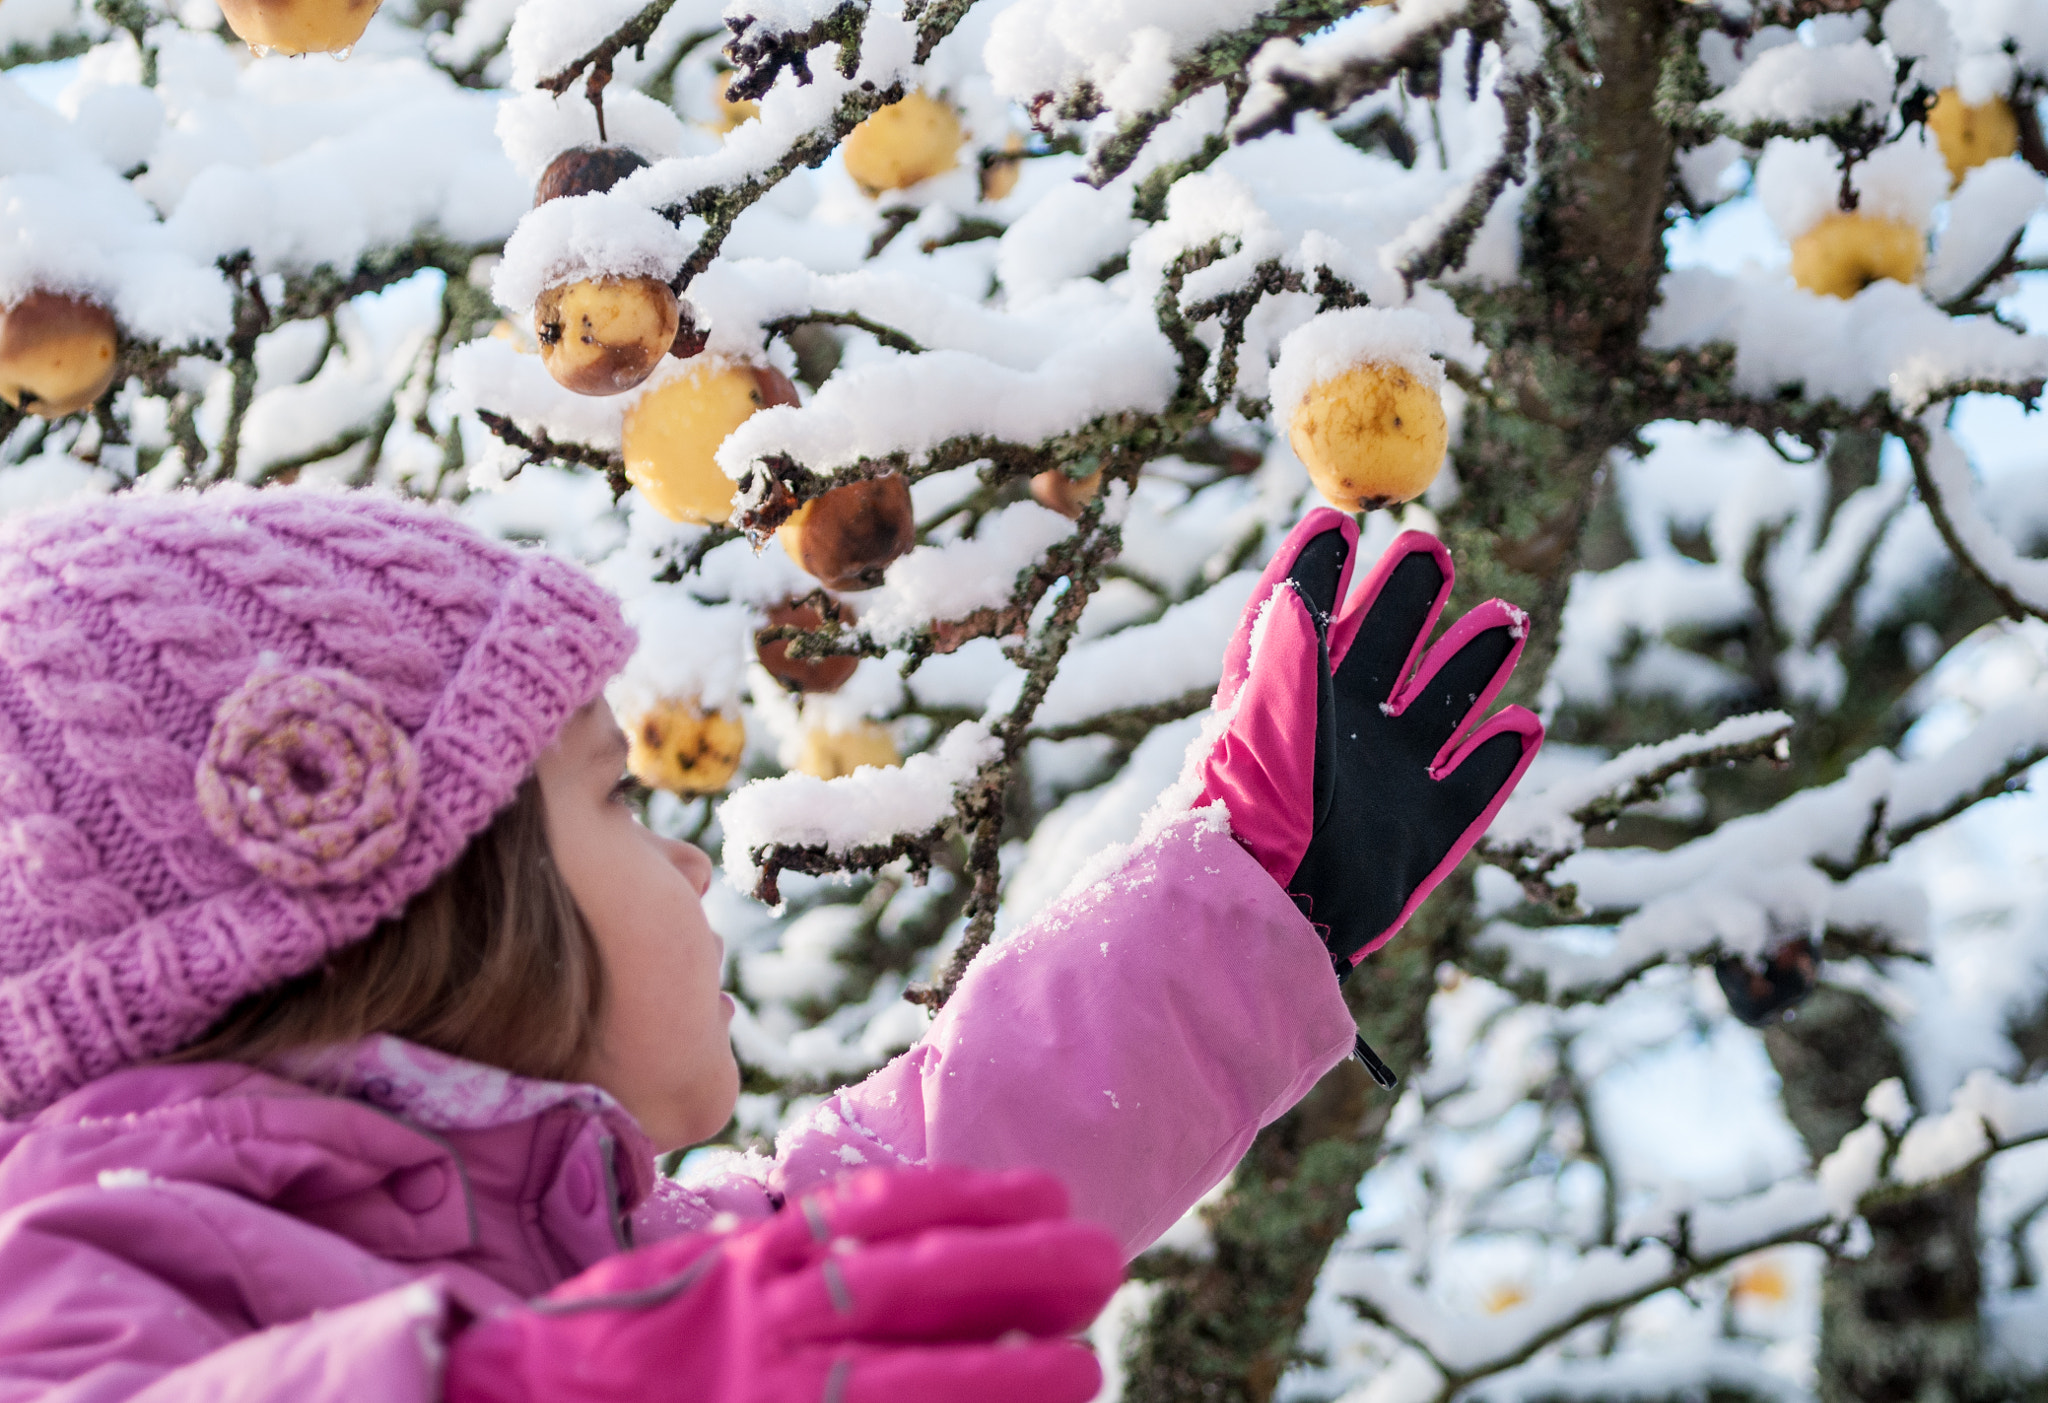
[1669, 1246]
[1538, 829]
[1811, 864]
[1333, 73]
[1942, 472]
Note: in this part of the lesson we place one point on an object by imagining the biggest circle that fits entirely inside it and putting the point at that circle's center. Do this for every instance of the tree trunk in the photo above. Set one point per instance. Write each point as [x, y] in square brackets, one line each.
[1898, 1324]
[1534, 446]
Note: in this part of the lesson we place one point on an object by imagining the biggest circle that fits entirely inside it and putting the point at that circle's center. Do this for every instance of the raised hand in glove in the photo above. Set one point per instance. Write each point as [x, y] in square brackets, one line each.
[942, 1285]
[1354, 764]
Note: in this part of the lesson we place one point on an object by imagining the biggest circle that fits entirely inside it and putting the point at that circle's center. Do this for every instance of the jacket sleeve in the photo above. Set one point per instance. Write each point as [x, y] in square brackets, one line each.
[141, 1295]
[1132, 1039]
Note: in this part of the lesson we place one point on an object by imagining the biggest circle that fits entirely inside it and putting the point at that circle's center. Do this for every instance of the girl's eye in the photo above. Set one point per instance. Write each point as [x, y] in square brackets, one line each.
[626, 788]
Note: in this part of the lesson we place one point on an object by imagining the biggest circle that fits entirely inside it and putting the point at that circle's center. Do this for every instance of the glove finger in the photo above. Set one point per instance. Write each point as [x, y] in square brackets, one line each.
[1264, 767]
[1483, 772]
[1381, 631]
[1035, 1371]
[1045, 1278]
[877, 1204]
[1459, 677]
[1470, 790]
[1321, 523]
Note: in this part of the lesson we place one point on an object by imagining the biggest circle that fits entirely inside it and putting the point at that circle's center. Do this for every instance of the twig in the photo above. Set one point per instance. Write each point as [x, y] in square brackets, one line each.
[633, 34]
[540, 448]
[887, 335]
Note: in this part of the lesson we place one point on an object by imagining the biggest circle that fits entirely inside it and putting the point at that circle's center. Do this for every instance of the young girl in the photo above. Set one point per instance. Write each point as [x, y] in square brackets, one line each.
[345, 1006]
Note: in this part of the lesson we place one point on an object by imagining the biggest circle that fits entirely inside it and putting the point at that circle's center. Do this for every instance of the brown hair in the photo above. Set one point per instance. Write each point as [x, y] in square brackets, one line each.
[492, 963]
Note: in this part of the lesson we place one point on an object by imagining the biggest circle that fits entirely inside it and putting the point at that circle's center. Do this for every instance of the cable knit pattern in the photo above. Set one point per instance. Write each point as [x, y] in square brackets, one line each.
[236, 731]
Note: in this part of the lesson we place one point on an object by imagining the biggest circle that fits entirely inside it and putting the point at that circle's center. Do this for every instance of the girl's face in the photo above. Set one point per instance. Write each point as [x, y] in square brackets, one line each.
[662, 1048]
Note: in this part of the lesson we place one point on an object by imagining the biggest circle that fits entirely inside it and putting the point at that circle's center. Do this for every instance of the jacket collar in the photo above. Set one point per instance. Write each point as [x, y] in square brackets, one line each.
[438, 1092]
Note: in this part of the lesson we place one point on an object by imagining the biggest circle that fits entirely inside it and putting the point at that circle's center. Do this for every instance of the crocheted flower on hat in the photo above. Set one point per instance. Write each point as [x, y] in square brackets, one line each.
[305, 778]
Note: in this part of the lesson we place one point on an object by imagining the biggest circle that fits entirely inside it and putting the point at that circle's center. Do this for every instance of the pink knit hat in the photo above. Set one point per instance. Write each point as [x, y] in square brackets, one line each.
[236, 732]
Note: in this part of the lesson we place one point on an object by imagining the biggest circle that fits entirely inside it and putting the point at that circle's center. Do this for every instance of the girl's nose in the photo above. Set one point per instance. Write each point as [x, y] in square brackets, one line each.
[693, 862]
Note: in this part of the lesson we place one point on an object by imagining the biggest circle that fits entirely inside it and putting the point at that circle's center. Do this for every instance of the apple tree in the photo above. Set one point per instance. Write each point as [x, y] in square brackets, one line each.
[931, 378]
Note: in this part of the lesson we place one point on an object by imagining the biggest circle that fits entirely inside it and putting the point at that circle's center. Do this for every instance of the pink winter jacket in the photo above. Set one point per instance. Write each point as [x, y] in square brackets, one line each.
[213, 1232]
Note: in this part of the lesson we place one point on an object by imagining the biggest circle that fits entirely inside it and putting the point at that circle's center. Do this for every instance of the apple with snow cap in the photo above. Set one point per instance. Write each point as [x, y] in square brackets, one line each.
[57, 353]
[813, 674]
[1372, 436]
[1361, 393]
[1972, 133]
[846, 538]
[678, 745]
[834, 754]
[299, 26]
[1845, 253]
[902, 144]
[603, 336]
[673, 432]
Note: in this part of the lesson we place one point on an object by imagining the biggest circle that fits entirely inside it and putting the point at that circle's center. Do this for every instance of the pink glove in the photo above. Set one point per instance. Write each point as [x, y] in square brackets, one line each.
[891, 1285]
[1356, 775]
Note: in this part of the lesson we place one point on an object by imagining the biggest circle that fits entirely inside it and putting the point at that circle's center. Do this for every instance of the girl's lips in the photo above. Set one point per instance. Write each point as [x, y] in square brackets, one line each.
[730, 1006]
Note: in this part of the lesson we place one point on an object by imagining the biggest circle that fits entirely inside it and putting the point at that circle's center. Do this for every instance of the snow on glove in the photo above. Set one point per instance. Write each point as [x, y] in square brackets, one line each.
[1352, 772]
[942, 1285]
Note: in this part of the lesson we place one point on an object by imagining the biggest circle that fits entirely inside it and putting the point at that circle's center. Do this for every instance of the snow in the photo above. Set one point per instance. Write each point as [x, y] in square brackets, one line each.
[867, 806]
[1335, 342]
[1125, 49]
[1796, 83]
[909, 406]
[1851, 1169]
[1949, 471]
[548, 35]
[1888, 339]
[1938, 1146]
[1887, 1104]
[1799, 182]
[1178, 653]
[1577, 1121]
[1543, 818]
[953, 580]
[1987, 214]
[583, 237]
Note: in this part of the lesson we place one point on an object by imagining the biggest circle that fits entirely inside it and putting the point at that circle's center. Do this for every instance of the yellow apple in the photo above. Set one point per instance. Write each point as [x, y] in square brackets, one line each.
[731, 113]
[57, 353]
[905, 142]
[299, 26]
[1845, 253]
[999, 173]
[672, 435]
[605, 335]
[678, 746]
[1970, 136]
[1372, 436]
[849, 536]
[836, 754]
